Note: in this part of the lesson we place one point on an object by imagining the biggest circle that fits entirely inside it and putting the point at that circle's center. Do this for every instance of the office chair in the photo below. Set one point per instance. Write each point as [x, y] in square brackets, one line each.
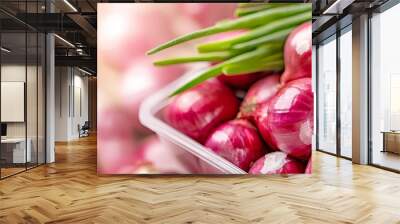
[84, 130]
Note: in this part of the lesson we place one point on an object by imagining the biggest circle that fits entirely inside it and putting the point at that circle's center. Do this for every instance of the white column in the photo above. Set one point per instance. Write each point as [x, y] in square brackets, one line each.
[50, 92]
[50, 99]
[360, 90]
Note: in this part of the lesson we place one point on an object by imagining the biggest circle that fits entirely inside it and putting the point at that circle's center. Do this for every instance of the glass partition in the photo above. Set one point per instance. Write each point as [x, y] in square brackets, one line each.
[41, 107]
[32, 87]
[23, 90]
[14, 151]
[327, 95]
[32, 95]
[346, 92]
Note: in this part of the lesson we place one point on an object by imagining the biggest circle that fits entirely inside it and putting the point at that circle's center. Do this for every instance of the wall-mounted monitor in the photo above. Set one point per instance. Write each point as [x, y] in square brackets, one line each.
[12, 101]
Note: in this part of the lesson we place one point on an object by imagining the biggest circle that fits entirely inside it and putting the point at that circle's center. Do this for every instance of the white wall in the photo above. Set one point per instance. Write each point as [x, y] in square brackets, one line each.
[62, 81]
[69, 82]
[12, 73]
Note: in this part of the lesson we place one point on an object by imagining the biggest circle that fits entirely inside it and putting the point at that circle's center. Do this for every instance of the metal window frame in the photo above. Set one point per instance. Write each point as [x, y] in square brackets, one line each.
[386, 6]
[339, 32]
[389, 4]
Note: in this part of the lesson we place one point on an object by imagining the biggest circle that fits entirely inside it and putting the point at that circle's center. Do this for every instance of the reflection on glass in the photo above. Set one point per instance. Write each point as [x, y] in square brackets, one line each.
[22, 91]
[385, 84]
[13, 86]
[31, 100]
[327, 96]
[346, 94]
[41, 98]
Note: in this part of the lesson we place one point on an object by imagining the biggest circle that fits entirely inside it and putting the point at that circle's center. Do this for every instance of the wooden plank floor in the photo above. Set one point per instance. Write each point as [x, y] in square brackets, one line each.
[69, 191]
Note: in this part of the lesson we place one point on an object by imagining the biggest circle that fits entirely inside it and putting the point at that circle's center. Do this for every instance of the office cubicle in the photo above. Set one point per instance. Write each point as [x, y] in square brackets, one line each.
[22, 95]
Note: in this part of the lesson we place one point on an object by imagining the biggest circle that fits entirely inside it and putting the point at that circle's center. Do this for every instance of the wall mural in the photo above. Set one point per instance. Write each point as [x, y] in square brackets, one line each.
[204, 88]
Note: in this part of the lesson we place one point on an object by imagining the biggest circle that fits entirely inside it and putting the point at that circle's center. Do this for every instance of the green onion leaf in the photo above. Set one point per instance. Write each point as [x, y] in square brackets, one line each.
[212, 57]
[253, 8]
[277, 36]
[260, 52]
[252, 67]
[261, 31]
[250, 21]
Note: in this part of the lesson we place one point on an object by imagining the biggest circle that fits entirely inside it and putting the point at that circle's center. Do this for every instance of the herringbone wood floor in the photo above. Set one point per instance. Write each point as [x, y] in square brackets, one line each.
[69, 191]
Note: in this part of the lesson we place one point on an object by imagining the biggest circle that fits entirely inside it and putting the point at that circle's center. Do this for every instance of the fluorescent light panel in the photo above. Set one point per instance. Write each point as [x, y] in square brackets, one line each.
[338, 6]
[84, 71]
[65, 41]
[70, 5]
[5, 50]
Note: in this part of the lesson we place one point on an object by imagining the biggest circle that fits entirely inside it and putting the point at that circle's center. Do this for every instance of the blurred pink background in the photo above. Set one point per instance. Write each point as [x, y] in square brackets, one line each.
[126, 77]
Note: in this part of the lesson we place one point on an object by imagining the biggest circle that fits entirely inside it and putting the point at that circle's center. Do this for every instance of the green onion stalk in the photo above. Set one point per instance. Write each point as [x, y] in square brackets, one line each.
[260, 48]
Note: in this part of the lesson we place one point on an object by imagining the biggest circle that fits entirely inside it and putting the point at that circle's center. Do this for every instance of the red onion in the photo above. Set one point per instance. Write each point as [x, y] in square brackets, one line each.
[114, 155]
[114, 123]
[286, 121]
[242, 81]
[141, 80]
[309, 167]
[238, 142]
[123, 36]
[197, 111]
[298, 53]
[207, 14]
[276, 163]
[259, 93]
[153, 156]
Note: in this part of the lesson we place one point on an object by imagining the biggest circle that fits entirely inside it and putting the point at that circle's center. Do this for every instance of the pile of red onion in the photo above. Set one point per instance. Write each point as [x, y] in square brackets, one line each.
[269, 131]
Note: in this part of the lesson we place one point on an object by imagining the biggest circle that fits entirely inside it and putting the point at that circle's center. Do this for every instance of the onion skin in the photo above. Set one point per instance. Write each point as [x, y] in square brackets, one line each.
[298, 54]
[286, 121]
[309, 167]
[276, 163]
[238, 142]
[259, 93]
[197, 111]
[242, 81]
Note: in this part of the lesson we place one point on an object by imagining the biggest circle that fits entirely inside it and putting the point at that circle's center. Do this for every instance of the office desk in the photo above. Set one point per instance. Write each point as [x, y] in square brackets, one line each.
[15, 148]
[391, 141]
